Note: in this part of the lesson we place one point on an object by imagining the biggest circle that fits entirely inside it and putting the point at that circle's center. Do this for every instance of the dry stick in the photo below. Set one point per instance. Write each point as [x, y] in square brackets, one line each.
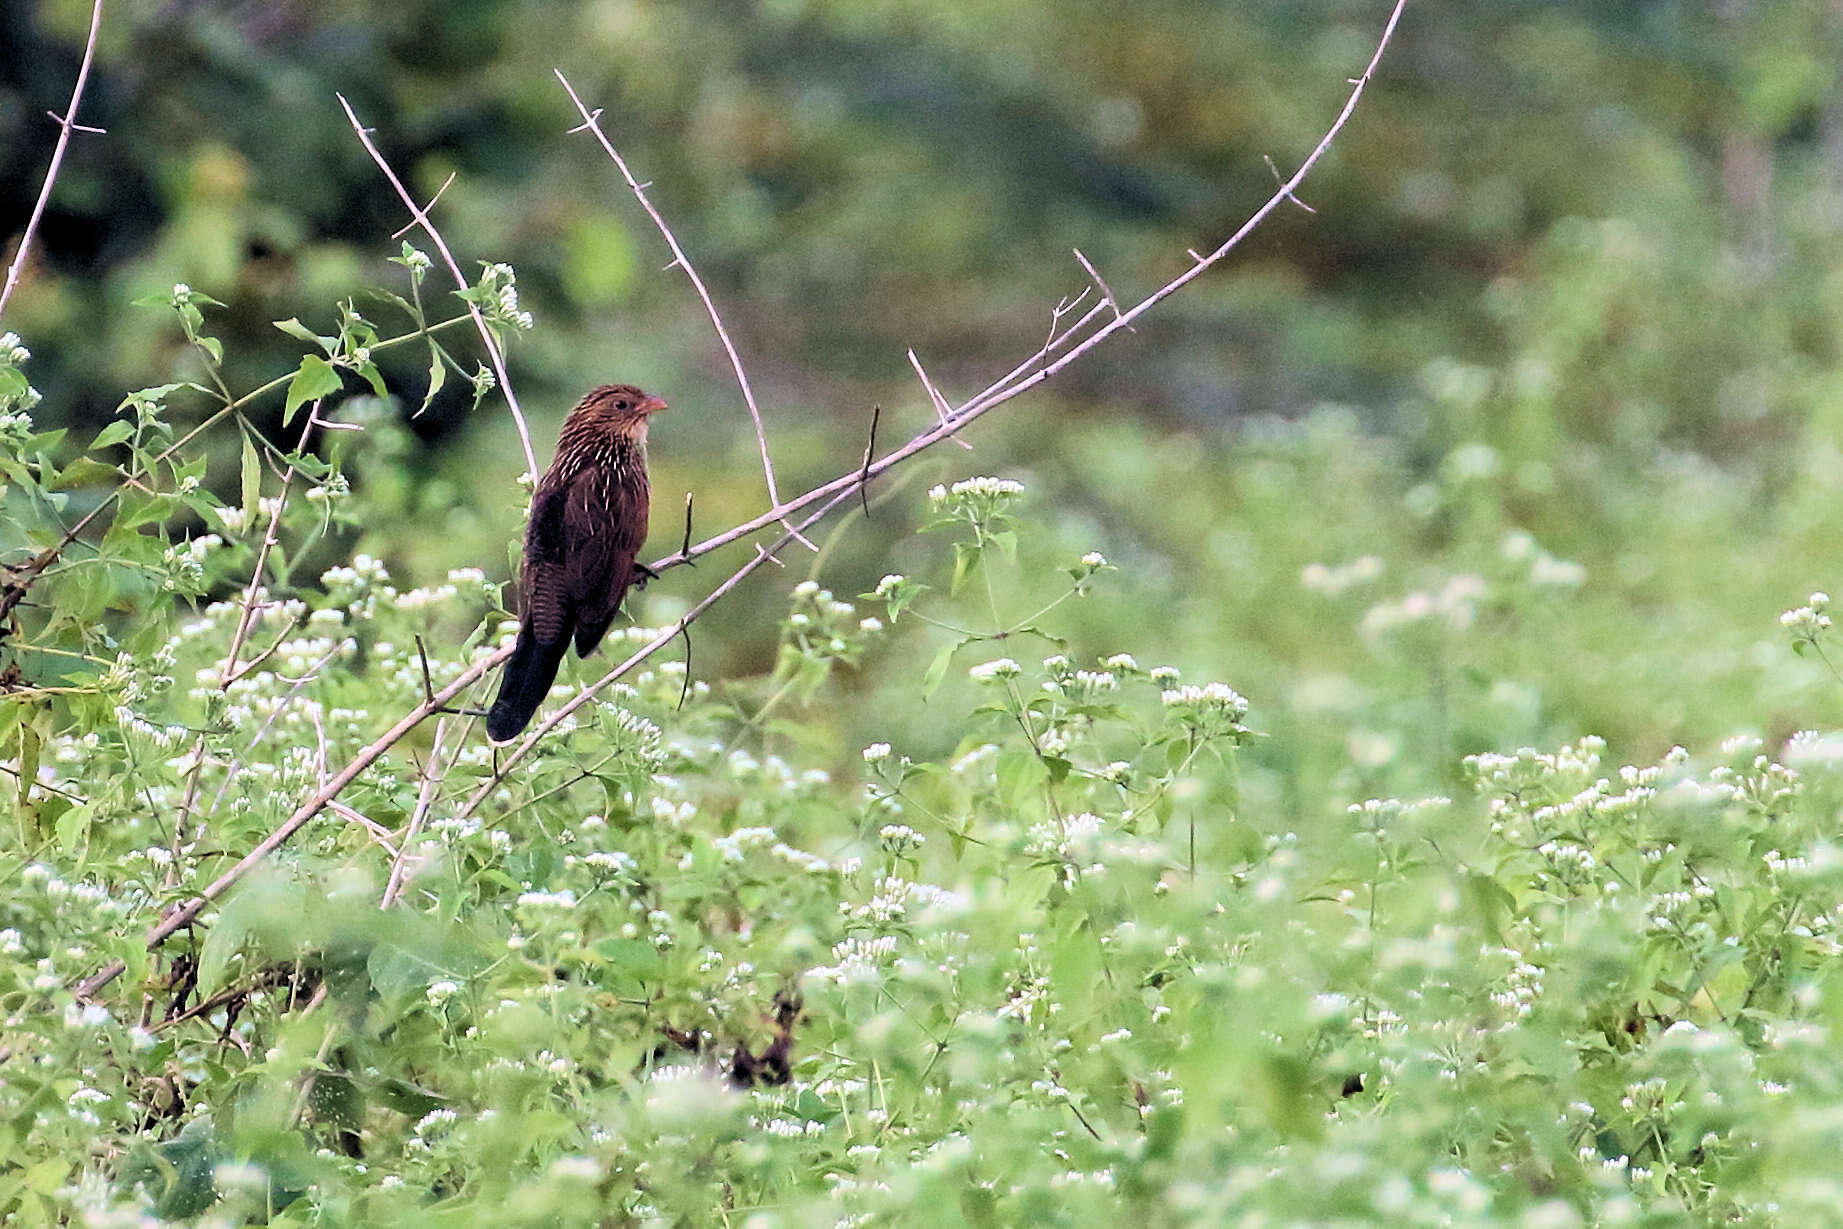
[281, 706]
[67, 124]
[454, 269]
[245, 618]
[425, 798]
[1001, 392]
[591, 123]
[1106, 292]
[247, 615]
[829, 495]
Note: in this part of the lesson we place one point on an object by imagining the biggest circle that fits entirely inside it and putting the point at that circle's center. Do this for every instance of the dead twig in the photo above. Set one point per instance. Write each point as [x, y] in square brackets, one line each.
[67, 124]
[425, 798]
[460, 279]
[591, 123]
[870, 450]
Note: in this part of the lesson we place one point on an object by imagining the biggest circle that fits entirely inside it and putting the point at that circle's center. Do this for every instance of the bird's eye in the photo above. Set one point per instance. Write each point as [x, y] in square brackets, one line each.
[621, 404]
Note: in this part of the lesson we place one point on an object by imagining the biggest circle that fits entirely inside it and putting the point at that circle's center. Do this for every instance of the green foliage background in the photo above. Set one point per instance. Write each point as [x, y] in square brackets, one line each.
[1524, 439]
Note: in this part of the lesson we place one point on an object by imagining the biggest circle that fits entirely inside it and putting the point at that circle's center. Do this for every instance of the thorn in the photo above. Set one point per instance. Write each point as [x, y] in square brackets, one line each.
[1192, 253]
[61, 122]
[684, 629]
[685, 549]
[762, 550]
[941, 409]
[1106, 291]
[1284, 190]
[422, 215]
[428, 684]
[870, 447]
[594, 118]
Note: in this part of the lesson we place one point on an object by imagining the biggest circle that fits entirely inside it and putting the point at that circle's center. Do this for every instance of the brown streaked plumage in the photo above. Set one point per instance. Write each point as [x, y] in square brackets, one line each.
[588, 522]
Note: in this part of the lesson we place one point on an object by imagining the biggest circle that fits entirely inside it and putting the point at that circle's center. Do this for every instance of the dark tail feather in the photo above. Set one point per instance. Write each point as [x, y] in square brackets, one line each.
[529, 674]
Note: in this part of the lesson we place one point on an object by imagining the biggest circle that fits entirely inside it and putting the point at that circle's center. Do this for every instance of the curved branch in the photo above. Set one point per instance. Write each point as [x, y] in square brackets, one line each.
[454, 270]
[67, 123]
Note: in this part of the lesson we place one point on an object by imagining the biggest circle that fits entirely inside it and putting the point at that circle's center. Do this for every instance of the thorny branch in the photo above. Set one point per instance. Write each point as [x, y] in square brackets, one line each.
[591, 122]
[67, 124]
[421, 214]
[821, 501]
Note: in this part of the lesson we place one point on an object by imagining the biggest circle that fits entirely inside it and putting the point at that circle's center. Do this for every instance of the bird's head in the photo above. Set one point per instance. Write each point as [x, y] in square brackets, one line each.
[618, 404]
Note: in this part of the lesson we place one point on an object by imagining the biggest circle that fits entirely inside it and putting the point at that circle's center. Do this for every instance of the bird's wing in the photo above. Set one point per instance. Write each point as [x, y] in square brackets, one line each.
[605, 525]
[545, 607]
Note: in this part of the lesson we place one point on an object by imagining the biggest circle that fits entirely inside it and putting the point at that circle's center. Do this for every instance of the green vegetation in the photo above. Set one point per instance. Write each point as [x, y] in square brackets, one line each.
[1367, 756]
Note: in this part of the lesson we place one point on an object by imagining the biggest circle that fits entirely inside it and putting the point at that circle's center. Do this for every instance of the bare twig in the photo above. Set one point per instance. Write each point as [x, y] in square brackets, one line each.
[460, 279]
[941, 410]
[684, 689]
[270, 536]
[828, 497]
[378, 832]
[591, 123]
[1008, 388]
[67, 124]
[425, 798]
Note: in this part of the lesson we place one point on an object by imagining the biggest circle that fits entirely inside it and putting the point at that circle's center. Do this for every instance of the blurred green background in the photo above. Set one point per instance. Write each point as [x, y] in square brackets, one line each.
[1570, 296]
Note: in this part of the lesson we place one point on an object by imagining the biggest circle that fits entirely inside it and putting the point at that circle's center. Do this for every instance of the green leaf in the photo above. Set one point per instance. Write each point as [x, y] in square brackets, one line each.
[368, 371]
[635, 956]
[966, 557]
[84, 471]
[112, 434]
[937, 669]
[294, 328]
[252, 480]
[438, 372]
[315, 379]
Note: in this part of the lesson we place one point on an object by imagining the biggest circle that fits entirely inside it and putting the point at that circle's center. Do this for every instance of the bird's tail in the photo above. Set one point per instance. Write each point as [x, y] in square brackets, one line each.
[529, 674]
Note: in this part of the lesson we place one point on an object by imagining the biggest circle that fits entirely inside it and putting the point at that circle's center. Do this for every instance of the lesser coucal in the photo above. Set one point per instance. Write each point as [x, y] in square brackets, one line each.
[588, 521]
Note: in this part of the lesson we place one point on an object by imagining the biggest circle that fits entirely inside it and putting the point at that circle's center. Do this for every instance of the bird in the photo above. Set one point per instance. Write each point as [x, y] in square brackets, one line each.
[588, 522]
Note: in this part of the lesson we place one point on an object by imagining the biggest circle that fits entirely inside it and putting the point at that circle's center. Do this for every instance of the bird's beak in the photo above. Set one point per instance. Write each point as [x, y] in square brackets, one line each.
[650, 405]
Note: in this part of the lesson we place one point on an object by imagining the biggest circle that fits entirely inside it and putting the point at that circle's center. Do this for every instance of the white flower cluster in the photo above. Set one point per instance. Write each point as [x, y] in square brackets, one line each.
[1809, 621]
[856, 958]
[997, 668]
[501, 282]
[900, 839]
[1212, 699]
[1544, 569]
[976, 498]
[1333, 580]
[13, 403]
